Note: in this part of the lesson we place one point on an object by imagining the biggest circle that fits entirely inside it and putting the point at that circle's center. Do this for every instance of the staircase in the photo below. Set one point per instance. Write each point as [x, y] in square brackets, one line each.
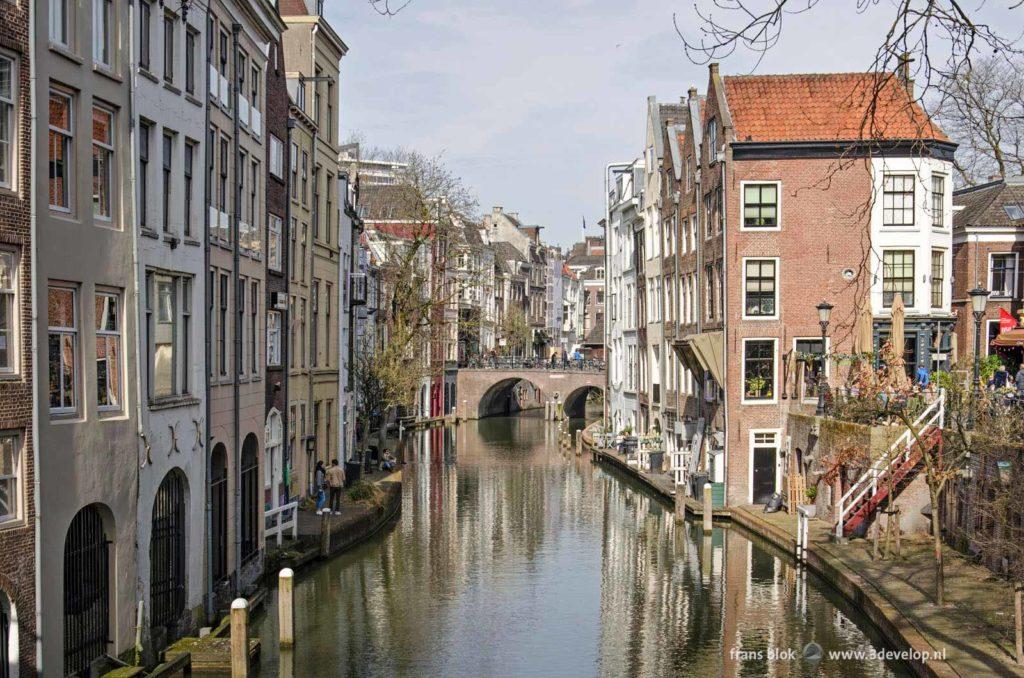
[897, 467]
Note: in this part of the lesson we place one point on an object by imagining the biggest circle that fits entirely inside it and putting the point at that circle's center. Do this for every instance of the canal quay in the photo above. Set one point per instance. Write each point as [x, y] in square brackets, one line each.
[515, 557]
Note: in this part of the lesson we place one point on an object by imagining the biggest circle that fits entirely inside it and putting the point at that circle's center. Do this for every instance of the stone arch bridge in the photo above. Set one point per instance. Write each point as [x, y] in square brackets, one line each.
[484, 392]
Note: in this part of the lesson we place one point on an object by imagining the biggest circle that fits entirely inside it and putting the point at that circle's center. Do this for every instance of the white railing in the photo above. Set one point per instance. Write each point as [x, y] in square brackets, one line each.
[279, 520]
[867, 484]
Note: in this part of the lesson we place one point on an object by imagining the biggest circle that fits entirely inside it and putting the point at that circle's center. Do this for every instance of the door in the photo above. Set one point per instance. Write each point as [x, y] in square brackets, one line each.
[765, 455]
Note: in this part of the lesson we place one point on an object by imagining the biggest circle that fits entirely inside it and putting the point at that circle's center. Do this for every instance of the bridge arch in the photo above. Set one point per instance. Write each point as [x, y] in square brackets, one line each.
[575, 402]
[508, 396]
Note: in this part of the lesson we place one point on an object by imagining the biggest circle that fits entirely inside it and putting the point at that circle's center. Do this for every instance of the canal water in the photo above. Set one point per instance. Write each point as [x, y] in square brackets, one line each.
[514, 558]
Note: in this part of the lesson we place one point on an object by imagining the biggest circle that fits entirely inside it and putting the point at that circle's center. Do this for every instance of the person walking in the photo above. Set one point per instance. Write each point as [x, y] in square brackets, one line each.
[336, 482]
[1019, 378]
[320, 486]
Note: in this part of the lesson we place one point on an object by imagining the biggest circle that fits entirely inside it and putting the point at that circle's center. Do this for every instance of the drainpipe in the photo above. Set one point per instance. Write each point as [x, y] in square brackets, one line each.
[37, 404]
[236, 339]
[207, 335]
[725, 336]
[313, 359]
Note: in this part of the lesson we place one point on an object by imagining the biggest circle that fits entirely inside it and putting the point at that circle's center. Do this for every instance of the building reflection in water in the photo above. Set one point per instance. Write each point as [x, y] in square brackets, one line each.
[513, 558]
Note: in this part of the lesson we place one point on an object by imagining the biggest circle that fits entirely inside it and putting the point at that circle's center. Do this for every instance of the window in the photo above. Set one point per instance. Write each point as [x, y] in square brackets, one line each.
[10, 469]
[241, 296]
[294, 162]
[145, 33]
[61, 131]
[254, 84]
[938, 277]
[938, 201]
[709, 273]
[293, 249]
[190, 152]
[59, 20]
[758, 369]
[223, 184]
[760, 205]
[101, 15]
[809, 356]
[102, 162]
[62, 348]
[274, 243]
[898, 200]
[222, 328]
[316, 95]
[302, 332]
[300, 95]
[274, 338]
[7, 80]
[316, 204]
[144, 134]
[305, 177]
[329, 209]
[169, 48]
[186, 332]
[162, 326]
[255, 242]
[8, 311]
[168, 160]
[712, 141]
[897, 276]
[108, 352]
[1014, 212]
[327, 324]
[190, 61]
[304, 243]
[1003, 274]
[276, 157]
[254, 311]
[759, 288]
[315, 329]
[993, 329]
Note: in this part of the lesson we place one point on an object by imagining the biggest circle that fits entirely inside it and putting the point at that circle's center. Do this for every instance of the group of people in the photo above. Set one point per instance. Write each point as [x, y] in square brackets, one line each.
[328, 482]
[1001, 379]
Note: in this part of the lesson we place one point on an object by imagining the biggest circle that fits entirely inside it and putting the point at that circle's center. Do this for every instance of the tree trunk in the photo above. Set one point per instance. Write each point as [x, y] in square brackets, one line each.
[899, 529]
[940, 579]
[874, 539]
[1018, 622]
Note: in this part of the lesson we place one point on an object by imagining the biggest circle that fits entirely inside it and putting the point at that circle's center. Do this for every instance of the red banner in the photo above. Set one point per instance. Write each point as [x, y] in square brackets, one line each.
[1006, 321]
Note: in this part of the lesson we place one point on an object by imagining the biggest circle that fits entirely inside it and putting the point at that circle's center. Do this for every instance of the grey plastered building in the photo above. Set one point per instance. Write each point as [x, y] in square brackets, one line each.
[84, 288]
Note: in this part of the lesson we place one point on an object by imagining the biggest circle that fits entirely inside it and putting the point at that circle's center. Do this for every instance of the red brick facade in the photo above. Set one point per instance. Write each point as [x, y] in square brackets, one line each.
[17, 537]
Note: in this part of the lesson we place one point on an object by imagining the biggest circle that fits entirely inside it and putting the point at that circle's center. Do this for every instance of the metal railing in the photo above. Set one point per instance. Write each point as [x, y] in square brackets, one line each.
[867, 484]
[586, 365]
[281, 519]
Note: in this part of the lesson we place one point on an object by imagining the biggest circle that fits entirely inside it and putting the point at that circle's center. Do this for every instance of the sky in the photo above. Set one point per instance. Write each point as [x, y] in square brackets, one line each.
[529, 100]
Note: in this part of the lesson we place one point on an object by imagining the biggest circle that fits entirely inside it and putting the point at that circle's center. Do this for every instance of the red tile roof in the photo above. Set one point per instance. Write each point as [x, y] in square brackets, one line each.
[825, 107]
[294, 8]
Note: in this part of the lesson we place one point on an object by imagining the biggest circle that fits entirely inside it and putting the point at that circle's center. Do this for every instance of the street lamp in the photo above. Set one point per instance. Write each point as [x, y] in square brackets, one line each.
[979, 299]
[824, 315]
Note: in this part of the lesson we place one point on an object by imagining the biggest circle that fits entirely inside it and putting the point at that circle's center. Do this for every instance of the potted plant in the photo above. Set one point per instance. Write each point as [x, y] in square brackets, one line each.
[757, 387]
[811, 508]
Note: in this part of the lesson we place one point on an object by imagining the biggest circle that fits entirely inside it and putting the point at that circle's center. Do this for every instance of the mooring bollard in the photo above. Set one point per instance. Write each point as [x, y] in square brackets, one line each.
[707, 508]
[286, 607]
[240, 638]
[325, 535]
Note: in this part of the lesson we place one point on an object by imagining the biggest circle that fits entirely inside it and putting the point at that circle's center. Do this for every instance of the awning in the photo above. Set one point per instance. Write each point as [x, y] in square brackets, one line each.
[704, 350]
[1014, 338]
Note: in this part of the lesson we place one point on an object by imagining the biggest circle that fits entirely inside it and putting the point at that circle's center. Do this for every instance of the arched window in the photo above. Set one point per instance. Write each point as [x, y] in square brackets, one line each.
[167, 554]
[219, 516]
[86, 591]
[250, 497]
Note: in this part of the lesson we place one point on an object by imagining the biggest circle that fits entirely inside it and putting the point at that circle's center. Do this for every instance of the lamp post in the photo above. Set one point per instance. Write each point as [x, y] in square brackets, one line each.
[824, 315]
[979, 298]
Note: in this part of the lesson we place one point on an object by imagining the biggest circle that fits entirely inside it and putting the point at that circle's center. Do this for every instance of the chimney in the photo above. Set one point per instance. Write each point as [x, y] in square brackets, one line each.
[713, 69]
[691, 94]
[903, 72]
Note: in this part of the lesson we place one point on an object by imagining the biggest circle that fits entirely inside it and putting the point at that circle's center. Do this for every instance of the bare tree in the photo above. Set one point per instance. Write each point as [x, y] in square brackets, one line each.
[983, 109]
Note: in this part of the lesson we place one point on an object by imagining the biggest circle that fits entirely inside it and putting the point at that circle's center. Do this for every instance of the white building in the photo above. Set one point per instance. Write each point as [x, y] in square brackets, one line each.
[620, 341]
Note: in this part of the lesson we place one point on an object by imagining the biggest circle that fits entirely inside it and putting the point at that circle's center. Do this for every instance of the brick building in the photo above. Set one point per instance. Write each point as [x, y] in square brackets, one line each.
[789, 214]
[17, 449]
[988, 222]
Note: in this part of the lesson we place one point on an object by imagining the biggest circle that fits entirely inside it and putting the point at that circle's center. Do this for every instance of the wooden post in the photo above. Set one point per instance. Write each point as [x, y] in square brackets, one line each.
[325, 535]
[286, 607]
[707, 508]
[240, 638]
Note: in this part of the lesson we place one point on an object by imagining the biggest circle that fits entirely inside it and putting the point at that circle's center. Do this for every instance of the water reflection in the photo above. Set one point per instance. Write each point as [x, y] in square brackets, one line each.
[513, 558]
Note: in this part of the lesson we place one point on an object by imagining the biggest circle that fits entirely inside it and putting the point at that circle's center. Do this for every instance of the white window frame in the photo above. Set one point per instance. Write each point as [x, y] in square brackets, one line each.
[778, 280]
[913, 200]
[276, 156]
[75, 334]
[117, 334]
[102, 15]
[111, 170]
[828, 370]
[8, 106]
[274, 357]
[69, 136]
[65, 28]
[751, 436]
[275, 226]
[17, 500]
[943, 215]
[778, 206]
[15, 298]
[1016, 265]
[985, 334]
[775, 372]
